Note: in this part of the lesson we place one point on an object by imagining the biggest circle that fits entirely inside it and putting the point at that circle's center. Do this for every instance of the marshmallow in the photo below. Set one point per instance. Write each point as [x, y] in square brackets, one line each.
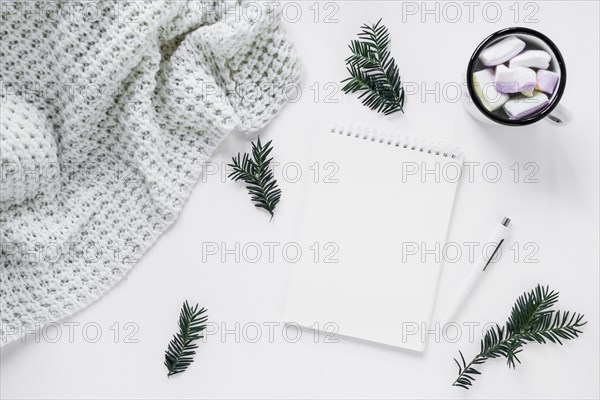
[501, 51]
[514, 80]
[520, 106]
[483, 83]
[531, 59]
[547, 80]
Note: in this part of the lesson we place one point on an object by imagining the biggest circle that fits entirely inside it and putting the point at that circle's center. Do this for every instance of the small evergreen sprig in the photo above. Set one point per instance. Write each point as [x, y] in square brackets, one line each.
[258, 176]
[181, 350]
[374, 72]
[531, 320]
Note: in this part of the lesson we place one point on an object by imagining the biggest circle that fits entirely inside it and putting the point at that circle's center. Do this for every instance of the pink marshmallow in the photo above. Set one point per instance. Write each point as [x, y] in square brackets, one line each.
[521, 106]
[547, 80]
[514, 80]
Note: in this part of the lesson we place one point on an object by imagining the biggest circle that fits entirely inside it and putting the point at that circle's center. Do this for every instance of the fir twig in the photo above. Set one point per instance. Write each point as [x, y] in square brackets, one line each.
[531, 320]
[373, 71]
[181, 350]
[258, 176]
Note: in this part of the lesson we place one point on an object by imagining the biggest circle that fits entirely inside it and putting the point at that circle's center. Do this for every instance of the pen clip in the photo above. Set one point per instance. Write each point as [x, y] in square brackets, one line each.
[493, 254]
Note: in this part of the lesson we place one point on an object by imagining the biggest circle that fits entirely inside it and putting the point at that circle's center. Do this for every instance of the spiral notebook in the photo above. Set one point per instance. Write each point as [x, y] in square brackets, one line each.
[375, 223]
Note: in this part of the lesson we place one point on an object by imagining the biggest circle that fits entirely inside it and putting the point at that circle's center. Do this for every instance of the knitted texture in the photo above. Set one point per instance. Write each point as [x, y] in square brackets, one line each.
[108, 111]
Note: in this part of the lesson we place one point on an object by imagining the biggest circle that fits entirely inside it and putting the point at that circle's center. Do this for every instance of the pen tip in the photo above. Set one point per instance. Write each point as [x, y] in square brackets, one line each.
[506, 221]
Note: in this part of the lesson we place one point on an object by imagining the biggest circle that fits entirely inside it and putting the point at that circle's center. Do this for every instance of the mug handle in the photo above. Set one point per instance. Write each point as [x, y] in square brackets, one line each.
[560, 116]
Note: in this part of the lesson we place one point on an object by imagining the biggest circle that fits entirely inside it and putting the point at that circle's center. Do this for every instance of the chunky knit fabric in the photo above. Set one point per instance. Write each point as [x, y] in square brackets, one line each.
[108, 112]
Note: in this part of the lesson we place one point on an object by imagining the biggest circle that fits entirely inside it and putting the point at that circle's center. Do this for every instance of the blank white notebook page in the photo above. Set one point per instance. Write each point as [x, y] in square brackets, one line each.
[380, 207]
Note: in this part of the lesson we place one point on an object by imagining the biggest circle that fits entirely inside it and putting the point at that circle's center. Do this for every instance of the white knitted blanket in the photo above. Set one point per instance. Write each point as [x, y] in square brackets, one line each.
[108, 111]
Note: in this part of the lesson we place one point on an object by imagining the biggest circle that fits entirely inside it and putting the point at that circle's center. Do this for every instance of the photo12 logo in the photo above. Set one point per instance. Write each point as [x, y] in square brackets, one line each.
[126, 12]
[269, 252]
[43, 91]
[470, 172]
[469, 252]
[89, 252]
[72, 332]
[269, 332]
[450, 332]
[289, 172]
[453, 12]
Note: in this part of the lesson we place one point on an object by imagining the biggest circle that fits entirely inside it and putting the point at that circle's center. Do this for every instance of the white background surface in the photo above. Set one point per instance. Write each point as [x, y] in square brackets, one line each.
[558, 214]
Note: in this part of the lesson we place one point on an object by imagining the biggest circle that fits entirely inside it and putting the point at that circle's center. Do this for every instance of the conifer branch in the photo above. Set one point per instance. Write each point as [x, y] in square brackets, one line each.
[256, 172]
[532, 320]
[373, 71]
[181, 350]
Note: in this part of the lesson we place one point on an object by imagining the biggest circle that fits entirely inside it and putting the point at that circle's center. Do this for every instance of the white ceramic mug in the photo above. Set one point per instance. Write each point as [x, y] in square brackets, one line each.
[553, 113]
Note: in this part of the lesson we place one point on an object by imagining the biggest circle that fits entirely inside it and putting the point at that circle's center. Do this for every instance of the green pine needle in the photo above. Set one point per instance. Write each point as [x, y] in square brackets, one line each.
[373, 72]
[532, 320]
[181, 350]
[258, 176]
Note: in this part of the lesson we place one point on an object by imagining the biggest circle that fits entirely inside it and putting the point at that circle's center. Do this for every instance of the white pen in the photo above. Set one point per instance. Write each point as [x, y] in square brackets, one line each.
[499, 235]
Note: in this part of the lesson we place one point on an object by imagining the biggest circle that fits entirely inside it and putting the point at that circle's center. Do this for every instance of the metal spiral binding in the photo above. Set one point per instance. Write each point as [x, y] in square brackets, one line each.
[438, 148]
